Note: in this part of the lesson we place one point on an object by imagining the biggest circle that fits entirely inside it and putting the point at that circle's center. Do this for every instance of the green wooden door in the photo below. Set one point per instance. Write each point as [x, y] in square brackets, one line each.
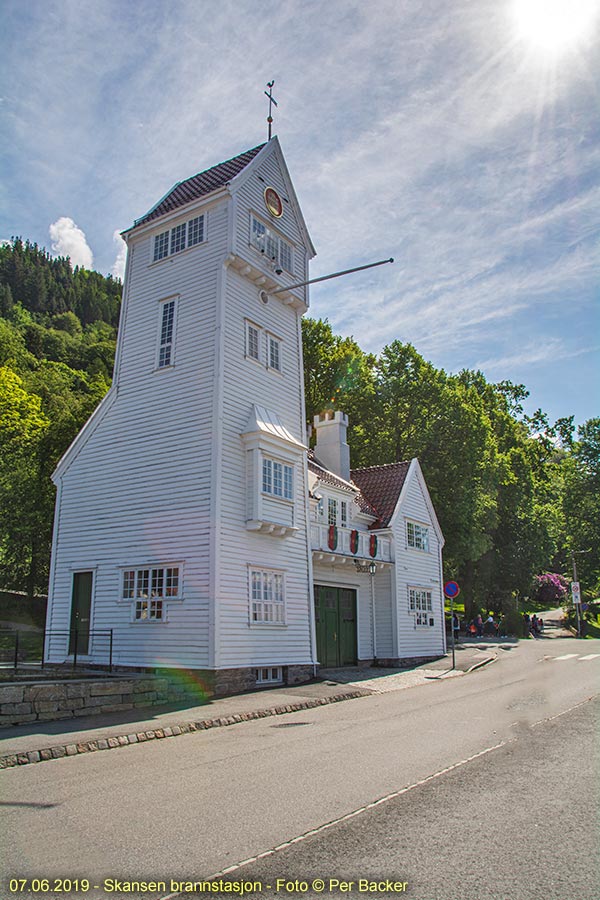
[81, 602]
[335, 616]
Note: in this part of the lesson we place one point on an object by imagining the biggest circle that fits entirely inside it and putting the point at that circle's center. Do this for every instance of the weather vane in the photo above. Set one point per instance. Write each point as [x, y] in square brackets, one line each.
[272, 101]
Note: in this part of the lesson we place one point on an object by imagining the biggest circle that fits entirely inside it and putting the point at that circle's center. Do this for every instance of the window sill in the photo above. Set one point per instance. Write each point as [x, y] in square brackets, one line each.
[267, 625]
[275, 529]
[172, 256]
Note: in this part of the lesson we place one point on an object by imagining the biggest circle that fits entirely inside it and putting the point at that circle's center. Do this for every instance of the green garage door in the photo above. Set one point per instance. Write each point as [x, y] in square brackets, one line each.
[335, 615]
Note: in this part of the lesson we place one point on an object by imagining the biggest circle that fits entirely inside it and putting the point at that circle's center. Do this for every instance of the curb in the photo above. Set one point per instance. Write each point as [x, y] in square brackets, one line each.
[59, 751]
[477, 665]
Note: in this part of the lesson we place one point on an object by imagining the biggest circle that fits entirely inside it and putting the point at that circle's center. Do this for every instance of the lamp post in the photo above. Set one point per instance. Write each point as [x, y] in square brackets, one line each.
[372, 571]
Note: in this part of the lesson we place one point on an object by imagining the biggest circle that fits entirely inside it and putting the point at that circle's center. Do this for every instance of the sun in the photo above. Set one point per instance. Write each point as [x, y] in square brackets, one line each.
[555, 26]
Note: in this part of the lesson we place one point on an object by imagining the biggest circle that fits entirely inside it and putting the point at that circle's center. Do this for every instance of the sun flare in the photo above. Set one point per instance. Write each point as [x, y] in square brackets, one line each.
[554, 26]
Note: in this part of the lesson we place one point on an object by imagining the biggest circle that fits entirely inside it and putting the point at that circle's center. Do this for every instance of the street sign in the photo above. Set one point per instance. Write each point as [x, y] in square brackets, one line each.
[451, 589]
[575, 592]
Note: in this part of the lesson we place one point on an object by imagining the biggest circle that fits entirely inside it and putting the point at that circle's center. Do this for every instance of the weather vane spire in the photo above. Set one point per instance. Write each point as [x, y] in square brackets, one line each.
[272, 101]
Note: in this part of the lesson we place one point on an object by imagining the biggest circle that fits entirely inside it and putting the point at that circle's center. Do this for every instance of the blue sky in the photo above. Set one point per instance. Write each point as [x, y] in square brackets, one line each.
[460, 138]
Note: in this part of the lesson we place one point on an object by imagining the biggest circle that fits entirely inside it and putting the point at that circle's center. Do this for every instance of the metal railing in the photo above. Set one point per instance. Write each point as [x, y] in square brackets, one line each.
[27, 646]
[319, 538]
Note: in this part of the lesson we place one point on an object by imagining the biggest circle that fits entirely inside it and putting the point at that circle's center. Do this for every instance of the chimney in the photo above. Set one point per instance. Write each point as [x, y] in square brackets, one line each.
[332, 449]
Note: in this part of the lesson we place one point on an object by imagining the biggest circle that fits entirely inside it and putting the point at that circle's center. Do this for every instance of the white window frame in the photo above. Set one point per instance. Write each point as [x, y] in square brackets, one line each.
[269, 675]
[179, 238]
[161, 245]
[344, 513]
[420, 605]
[272, 342]
[195, 227]
[252, 326]
[148, 588]
[332, 511]
[417, 536]
[266, 595]
[277, 478]
[164, 344]
[266, 241]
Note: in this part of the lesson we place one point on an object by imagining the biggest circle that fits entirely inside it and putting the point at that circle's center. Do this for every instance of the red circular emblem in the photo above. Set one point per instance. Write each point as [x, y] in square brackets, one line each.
[273, 202]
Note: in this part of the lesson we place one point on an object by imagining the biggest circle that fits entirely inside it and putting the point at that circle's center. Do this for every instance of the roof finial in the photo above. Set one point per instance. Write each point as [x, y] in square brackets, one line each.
[271, 102]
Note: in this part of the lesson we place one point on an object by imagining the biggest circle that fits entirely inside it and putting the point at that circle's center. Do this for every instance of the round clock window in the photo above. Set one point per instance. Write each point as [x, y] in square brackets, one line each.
[273, 202]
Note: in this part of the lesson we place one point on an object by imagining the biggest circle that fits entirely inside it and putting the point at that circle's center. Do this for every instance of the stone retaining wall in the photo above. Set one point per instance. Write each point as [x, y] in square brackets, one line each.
[23, 702]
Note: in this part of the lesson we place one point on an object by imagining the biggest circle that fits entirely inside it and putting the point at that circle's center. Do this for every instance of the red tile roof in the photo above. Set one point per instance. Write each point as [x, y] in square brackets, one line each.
[201, 184]
[326, 476]
[381, 486]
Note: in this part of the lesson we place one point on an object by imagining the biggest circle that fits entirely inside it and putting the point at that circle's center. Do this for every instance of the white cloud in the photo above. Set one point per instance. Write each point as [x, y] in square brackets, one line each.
[69, 240]
[118, 267]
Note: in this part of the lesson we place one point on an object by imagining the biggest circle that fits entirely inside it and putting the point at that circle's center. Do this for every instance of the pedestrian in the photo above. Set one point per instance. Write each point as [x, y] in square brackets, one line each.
[455, 627]
[526, 625]
[479, 625]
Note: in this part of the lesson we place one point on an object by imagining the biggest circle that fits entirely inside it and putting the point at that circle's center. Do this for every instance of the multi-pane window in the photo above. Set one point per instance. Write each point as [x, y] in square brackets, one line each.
[277, 479]
[252, 341]
[419, 604]
[331, 511]
[268, 242]
[178, 235]
[343, 513]
[269, 675]
[149, 588]
[188, 234]
[161, 245]
[417, 536]
[274, 360]
[195, 231]
[267, 602]
[167, 321]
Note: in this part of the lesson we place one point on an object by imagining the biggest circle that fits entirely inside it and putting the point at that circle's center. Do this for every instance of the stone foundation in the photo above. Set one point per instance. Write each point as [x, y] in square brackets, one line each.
[23, 702]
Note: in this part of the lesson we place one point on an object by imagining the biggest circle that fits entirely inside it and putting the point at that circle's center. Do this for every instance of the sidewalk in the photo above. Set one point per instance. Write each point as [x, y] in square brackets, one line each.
[38, 742]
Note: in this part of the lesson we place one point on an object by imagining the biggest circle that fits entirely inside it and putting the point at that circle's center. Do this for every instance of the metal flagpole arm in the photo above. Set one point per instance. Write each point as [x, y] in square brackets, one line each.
[292, 287]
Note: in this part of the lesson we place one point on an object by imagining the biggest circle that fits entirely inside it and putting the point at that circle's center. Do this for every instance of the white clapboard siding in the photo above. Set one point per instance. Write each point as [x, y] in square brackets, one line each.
[245, 384]
[137, 491]
[416, 568]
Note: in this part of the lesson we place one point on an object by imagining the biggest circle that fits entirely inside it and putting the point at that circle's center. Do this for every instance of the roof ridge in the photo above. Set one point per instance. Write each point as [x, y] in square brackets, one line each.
[404, 462]
[224, 162]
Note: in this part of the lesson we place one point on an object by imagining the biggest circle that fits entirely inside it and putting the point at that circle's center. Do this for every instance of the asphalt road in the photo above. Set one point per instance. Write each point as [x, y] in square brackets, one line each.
[490, 782]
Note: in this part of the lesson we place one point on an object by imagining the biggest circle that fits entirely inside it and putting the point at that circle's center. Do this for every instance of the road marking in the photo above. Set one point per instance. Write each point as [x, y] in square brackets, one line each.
[590, 656]
[357, 812]
[567, 656]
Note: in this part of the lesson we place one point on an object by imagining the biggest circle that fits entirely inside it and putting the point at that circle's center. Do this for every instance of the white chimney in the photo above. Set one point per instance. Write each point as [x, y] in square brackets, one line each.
[332, 449]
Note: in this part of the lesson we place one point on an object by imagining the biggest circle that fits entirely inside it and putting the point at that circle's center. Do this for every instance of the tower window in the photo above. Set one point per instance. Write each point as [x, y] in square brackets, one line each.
[167, 327]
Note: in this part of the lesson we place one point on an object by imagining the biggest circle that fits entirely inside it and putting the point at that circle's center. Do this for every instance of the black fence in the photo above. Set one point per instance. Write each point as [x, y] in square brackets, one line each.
[23, 647]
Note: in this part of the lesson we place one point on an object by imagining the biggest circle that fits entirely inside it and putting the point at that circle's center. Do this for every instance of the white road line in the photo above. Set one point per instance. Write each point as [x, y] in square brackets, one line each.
[357, 812]
[345, 818]
[590, 656]
[567, 656]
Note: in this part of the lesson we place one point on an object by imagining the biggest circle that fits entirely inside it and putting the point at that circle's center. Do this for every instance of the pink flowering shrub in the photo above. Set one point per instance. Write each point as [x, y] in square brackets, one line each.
[550, 588]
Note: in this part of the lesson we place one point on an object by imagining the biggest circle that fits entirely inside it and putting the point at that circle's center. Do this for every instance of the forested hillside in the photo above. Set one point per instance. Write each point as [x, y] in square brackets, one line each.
[58, 331]
[514, 493]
